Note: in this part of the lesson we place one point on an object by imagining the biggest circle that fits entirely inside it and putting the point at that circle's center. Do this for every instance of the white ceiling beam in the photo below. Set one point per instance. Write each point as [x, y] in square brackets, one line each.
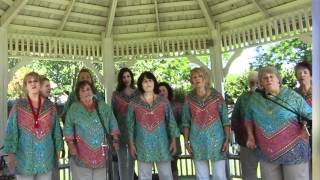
[206, 13]
[91, 7]
[57, 22]
[13, 10]
[163, 15]
[234, 12]
[1, 12]
[8, 2]
[110, 18]
[151, 6]
[79, 5]
[51, 32]
[261, 8]
[61, 13]
[167, 33]
[193, 22]
[223, 4]
[66, 16]
[279, 10]
[157, 15]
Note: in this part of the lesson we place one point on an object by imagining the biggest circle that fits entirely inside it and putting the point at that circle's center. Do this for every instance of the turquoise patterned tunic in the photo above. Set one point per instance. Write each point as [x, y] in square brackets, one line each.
[120, 102]
[176, 109]
[206, 120]
[35, 148]
[85, 127]
[279, 136]
[307, 96]
[238, 118]
[151, 127]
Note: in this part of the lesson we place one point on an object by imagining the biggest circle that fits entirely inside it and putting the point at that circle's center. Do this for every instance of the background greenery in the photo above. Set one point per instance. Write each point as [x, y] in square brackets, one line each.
[176, 71]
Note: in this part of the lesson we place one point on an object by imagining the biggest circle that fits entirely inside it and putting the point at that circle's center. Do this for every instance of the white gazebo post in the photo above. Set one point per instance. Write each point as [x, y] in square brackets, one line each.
[3, 81]
[315, 89]
[108, 67]
[216, 59]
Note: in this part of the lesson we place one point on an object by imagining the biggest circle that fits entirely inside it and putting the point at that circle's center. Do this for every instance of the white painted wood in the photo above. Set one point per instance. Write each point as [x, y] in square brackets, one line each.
[13, 10]
[206, 13]
[108, 67]
[157, 16]
[8, 2]
[94, 70]
[3, 81]
[261, 8]
[197, 61]
[110, 18]
[216, 60]
[66, 16]
[25, 60]
[306, 17]
[234, 56]
[278, 10]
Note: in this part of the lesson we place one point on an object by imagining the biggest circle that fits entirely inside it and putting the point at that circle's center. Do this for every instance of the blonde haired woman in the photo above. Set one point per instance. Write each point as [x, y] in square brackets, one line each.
[33, 134]
[206, 126]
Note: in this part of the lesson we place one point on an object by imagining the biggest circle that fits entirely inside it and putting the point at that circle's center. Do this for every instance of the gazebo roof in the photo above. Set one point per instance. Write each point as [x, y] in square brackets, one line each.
[135, 19]
[138, 26]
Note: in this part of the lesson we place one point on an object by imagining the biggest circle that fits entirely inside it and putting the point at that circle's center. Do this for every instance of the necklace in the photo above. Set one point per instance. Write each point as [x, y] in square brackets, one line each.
[148, 101]
[35, 114]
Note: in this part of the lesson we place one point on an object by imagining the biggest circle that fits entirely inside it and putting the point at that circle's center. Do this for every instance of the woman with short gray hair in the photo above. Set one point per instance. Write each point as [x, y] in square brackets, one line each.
[276, 130]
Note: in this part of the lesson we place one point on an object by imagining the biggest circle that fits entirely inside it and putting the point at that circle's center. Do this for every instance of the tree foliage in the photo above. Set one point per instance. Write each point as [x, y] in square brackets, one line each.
[284, 56]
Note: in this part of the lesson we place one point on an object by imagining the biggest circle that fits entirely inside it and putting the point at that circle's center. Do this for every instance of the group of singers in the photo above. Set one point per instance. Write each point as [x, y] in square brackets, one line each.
[145, 122]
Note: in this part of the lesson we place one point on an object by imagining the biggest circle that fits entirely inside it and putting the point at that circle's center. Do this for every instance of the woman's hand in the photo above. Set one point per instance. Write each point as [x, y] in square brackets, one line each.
[225, 147]
[173, 147]
[73, 149]
[115, 144]
[11, 162]
[251, 143]
[188, 147]
[133, 151]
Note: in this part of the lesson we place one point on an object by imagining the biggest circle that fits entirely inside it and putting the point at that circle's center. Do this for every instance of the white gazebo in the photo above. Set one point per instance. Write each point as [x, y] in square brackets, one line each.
[108, 31]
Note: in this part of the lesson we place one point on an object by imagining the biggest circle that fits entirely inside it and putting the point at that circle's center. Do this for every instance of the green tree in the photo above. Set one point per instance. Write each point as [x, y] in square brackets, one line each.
[234, 86]
[175, 71]
[284, 56]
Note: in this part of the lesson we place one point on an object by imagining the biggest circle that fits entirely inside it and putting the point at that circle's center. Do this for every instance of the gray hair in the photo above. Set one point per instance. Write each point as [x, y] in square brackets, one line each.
[252, 75]
[269, 70]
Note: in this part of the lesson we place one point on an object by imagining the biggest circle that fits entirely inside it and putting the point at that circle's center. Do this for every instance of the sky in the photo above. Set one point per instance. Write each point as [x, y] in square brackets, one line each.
[241, 64]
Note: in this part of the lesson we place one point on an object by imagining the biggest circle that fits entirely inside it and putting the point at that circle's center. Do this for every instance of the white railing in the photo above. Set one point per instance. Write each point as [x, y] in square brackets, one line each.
[273, 29]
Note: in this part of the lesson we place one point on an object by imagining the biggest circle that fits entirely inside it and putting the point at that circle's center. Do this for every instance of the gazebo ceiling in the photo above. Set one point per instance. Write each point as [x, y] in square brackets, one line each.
[136, 19]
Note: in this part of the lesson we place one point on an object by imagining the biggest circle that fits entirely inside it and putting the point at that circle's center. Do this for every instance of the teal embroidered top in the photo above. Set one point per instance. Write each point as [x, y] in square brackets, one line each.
[206, 121]
[35, 148]
[278, 133]
[86, 128]
[152, 127]
[120, 102]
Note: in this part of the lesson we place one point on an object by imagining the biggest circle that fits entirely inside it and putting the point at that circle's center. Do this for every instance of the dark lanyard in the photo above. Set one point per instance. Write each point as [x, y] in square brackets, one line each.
[35, 114]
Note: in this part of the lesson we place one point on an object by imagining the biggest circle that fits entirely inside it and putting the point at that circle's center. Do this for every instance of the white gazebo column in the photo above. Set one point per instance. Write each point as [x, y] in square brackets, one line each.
[216, 59]
[108, 67]
[3, 81]
[315, 89]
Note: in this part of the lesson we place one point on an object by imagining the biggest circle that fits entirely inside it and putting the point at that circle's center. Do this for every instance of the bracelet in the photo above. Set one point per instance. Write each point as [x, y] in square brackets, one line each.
[187, 142]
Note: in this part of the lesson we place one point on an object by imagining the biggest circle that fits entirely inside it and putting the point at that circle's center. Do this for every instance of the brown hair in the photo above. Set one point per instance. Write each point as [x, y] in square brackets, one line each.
[82, 84]
[43, 79]
[30, 74]
[204, 73]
